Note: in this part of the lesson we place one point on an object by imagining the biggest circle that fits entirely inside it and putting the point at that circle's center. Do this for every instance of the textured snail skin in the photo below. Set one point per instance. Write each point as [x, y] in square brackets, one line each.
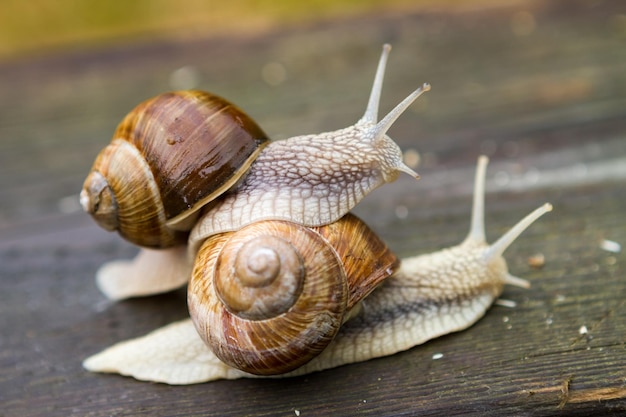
[429, 296]
[330, 171]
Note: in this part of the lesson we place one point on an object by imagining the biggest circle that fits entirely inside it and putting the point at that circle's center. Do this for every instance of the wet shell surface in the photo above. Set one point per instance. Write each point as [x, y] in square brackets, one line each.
[170, 156]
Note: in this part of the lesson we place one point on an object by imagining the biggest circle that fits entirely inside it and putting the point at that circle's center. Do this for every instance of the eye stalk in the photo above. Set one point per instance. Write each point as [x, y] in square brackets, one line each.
[376, 131]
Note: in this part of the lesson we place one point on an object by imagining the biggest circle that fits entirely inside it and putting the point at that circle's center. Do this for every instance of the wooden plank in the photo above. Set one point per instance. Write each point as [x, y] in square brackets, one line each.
[548, 107]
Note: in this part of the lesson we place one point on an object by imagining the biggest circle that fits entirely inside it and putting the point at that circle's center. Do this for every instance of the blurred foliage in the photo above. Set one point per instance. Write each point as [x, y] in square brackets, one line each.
[35, 25]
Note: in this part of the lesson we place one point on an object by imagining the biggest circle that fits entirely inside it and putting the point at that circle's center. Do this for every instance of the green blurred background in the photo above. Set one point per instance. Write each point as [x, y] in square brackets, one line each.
[37, 25]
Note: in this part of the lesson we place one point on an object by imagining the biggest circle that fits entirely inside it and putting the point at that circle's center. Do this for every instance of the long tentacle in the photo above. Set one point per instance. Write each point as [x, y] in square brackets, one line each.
[371, 113]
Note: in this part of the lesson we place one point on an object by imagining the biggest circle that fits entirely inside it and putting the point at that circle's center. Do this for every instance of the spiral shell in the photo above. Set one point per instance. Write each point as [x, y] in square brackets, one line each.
[271, 296]
[170, 156]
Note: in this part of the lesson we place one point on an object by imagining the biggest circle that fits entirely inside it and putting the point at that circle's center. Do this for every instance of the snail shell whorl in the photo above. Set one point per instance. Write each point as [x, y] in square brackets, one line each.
[120, 193]
[259, 277]
[177, 151]
[309, 313]
[273, 312]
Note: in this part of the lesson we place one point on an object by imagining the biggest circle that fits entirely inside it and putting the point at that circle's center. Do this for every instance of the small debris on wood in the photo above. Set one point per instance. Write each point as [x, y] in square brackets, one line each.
[505, 303]
[610, 246]
[537, 260]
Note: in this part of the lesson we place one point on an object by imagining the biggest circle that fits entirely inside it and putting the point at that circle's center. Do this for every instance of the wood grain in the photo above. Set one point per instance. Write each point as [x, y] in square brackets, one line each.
[546, 102]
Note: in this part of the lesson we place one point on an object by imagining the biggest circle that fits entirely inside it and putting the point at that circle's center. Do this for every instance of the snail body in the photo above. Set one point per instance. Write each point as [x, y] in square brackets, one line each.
[283, 279]
[313, 179]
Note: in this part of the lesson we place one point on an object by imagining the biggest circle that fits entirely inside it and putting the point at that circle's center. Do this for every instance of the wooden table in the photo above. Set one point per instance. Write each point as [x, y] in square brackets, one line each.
[539, 87]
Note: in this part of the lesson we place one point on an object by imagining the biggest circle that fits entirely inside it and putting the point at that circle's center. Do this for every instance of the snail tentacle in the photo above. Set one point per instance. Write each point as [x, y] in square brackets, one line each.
[371, 112]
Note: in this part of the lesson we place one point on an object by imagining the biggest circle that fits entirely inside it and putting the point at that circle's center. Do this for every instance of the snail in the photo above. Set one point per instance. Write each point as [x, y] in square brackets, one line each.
[283, 280]
[170, 156]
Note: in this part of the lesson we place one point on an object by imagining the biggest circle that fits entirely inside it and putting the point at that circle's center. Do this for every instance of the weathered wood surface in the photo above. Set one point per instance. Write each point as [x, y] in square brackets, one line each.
[541, 88]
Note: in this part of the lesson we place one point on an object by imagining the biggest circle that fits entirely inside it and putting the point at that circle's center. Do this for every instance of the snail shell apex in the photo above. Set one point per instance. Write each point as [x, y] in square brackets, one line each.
[263, 278]
[120, 194]
[176, 151]
[276, 324]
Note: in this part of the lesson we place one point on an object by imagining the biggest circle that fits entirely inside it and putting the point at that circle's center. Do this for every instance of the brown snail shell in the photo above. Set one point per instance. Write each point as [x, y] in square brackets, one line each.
[170, 156]
[271, 296]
